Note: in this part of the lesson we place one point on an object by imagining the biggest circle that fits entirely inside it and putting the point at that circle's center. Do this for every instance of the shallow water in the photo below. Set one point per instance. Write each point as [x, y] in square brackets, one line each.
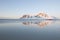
[29, 30]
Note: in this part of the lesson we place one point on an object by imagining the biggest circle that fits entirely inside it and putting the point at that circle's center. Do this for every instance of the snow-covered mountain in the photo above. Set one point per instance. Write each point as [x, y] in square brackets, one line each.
[38, 16]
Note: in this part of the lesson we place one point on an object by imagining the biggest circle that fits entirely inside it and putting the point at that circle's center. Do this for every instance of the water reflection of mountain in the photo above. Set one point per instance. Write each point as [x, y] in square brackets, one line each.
[39, 23]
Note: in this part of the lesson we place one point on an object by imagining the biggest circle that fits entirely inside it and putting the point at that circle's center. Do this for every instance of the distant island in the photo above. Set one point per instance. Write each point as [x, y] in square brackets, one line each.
[38, 16]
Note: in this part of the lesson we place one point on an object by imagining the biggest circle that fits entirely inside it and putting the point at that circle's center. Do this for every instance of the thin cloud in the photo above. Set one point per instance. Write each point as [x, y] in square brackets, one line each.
[17, 9]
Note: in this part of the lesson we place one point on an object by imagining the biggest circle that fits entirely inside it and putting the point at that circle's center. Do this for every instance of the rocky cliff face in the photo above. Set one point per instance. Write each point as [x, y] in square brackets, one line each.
[25, 16]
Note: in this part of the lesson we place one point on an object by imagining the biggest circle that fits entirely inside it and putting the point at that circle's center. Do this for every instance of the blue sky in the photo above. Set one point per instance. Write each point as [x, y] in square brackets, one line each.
[16, 8]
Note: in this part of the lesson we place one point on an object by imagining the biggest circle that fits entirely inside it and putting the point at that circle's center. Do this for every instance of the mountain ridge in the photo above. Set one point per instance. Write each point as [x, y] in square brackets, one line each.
[39, 15]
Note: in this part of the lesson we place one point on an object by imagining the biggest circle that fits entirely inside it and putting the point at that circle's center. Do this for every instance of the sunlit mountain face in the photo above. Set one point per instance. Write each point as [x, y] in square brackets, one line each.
[38, 16]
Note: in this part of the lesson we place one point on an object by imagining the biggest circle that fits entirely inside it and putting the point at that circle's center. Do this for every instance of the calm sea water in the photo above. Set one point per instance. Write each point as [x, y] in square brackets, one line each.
[29, 30]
